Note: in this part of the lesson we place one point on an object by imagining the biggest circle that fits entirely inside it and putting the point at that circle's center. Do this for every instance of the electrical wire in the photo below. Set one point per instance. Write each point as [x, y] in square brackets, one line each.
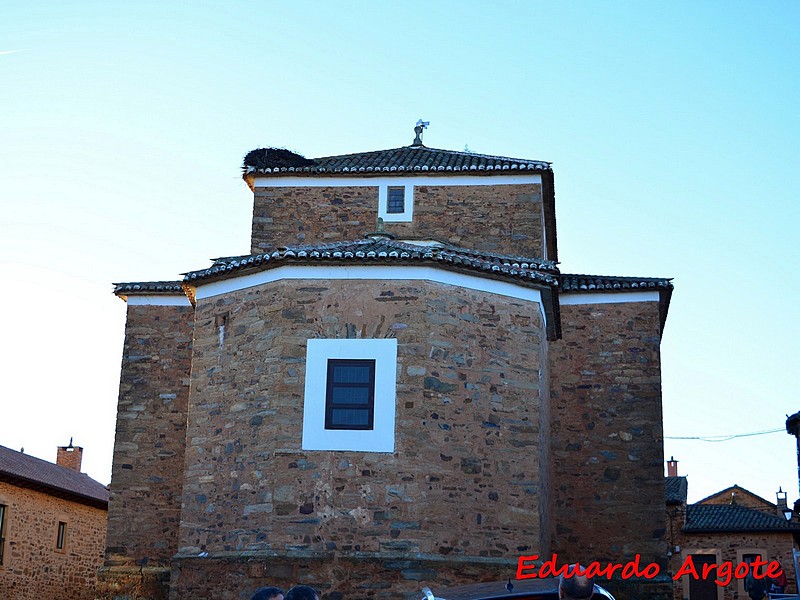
[722, 438]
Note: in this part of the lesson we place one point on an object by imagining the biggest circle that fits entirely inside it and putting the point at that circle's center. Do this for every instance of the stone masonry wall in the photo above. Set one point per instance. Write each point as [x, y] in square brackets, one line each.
[146, 481]
[33, 569]
[507, 219]
[743, 498]
[606, 442]
[463, 485]
[731, 547]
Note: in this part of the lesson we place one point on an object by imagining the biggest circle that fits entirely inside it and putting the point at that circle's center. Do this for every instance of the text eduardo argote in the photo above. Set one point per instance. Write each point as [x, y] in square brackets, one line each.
[723, 572]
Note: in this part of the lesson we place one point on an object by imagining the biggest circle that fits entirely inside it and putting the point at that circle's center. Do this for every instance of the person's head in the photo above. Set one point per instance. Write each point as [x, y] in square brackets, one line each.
[575, 587]
[301, 592]
[268, 593]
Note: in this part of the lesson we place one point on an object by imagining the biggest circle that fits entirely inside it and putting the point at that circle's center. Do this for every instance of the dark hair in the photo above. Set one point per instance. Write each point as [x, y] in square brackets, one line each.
[266, 593]
[301, 592]
[576, 587]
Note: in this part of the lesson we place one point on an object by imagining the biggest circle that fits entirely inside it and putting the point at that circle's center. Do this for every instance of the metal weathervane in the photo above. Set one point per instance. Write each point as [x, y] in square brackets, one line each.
[421, 125]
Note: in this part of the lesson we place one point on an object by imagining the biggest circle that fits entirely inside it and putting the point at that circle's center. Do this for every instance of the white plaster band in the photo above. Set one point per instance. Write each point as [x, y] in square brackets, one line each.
[615, 297]
[377, 272]
[157, 300]
[397, 180]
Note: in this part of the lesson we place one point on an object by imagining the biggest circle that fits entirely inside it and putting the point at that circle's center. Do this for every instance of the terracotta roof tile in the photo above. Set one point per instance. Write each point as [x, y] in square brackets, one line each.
[602, 283]
[51, 478]
[382, 250]
[404, 160]
[675, 490]
[148, 288]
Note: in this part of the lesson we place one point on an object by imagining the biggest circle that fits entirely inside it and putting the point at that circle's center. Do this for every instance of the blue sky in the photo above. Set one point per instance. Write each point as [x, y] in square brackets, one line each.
[672, 128]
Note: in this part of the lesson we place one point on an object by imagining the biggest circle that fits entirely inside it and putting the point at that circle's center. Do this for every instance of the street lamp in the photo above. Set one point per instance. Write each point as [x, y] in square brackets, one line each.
[787, 512]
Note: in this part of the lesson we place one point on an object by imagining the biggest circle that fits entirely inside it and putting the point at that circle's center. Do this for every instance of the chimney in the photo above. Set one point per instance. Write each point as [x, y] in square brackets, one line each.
[672, 467]
[781, 503]
[70, 456]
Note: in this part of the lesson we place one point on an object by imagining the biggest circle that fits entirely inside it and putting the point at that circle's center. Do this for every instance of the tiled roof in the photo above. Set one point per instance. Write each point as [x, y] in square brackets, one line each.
[148, 288]
[600, 283]
[732, 518]
[51, 478]
[407, 160]
[675, 490]
[382, 250]
[604, 284]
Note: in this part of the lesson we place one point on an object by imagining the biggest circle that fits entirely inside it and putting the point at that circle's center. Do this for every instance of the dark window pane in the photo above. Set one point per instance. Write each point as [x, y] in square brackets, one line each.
[2, 530]
[351, 374]
[62, 530]
[350, 395]
[350, 416]
[395, 200]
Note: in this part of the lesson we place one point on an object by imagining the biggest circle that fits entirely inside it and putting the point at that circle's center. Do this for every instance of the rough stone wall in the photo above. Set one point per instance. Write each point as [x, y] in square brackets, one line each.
[606, 441]
[463, 484]
[33, 569]
[731, 547]
[146, 480]
[507, 219]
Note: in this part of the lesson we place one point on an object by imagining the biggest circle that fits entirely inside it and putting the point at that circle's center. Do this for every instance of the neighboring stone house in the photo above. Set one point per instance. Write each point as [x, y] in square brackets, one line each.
[52, 527]
[396, 388]
[733, 525]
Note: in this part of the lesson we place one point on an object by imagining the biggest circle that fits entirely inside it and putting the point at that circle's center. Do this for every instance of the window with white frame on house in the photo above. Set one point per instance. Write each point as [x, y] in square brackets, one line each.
[349, 401]
[396, 203]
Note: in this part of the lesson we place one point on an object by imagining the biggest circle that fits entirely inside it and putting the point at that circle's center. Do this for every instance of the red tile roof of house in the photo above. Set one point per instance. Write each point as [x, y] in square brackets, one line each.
[30, 472]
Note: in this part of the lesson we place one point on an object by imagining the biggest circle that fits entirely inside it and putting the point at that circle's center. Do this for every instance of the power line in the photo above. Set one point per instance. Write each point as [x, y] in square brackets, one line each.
[722, 438]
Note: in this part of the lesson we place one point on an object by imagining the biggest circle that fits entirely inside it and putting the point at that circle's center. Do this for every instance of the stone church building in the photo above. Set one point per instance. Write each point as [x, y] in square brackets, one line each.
[397, 387]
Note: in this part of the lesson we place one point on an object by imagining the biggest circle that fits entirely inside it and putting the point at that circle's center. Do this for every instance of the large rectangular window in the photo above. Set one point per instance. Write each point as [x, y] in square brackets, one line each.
[3, 510]
[350, 394]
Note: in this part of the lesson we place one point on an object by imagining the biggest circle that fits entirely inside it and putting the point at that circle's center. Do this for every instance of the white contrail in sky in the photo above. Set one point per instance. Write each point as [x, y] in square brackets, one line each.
[8, 51]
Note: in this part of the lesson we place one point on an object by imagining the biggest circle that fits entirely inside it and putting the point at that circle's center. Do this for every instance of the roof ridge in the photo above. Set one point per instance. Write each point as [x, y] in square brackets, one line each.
[615, 276]
[385, 249]
[431, 149]
[403, 244]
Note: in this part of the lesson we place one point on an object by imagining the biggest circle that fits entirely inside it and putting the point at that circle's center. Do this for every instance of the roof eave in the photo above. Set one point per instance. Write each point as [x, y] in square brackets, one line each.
[788, 530]
[53, 490]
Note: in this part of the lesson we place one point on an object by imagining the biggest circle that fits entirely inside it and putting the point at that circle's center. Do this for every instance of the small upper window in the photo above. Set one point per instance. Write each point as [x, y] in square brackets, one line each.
[61, 536]
[396, 203]
[350, 396]
[395, 200]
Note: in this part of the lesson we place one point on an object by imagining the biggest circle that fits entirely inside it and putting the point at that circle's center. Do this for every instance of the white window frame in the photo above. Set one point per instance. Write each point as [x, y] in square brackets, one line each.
[378, 439]
[408, 203]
